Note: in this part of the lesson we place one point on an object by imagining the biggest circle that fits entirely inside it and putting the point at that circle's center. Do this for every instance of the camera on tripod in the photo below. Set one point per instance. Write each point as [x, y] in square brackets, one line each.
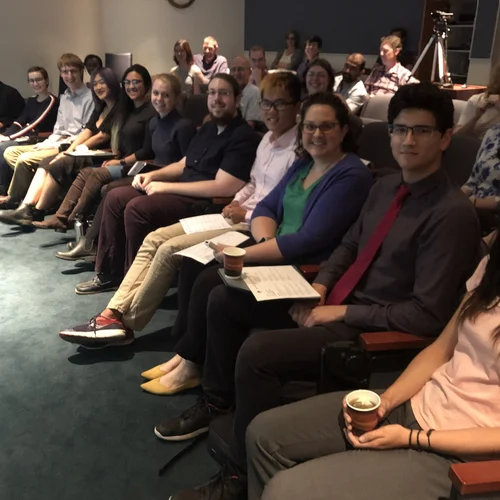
[441, 20]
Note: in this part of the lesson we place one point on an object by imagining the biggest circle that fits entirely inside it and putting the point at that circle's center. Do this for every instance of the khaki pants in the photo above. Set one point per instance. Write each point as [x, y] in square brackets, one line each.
[24, 160]
[151, 274]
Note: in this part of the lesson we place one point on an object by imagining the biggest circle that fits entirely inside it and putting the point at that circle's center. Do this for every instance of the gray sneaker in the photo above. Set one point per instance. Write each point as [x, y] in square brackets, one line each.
[99, 283]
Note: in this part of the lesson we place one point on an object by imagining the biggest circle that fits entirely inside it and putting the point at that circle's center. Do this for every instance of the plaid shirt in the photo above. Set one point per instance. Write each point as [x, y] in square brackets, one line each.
[381, 82]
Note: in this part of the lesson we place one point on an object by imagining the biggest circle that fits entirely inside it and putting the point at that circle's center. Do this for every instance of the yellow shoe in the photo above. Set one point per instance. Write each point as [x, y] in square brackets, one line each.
[155, 372]
[154, 387]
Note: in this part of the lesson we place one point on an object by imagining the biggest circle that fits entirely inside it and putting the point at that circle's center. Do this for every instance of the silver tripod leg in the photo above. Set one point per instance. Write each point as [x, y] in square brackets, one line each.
[432, 39]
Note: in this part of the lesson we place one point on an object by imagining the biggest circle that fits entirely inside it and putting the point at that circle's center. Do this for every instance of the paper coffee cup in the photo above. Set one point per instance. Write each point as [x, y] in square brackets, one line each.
[362, 406]
[233, 261]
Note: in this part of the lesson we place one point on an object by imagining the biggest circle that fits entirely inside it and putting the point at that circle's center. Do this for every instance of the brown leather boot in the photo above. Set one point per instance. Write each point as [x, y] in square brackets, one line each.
[58, 223]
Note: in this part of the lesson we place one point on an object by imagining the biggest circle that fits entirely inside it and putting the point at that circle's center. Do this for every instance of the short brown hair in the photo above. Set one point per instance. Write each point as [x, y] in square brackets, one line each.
[185, 46]
[392, 40]
[257, 48]
[70, 60]
[172, 80]
[39, 69]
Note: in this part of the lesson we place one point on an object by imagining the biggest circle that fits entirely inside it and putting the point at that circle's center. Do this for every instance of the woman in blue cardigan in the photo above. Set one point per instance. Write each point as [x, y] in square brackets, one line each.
[301, 221]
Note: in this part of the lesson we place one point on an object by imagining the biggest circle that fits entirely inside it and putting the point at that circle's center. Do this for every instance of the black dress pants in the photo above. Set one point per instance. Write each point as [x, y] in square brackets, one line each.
[245, 367]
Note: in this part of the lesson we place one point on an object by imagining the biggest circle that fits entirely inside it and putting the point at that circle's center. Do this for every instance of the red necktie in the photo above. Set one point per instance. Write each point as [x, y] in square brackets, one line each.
[346, 284]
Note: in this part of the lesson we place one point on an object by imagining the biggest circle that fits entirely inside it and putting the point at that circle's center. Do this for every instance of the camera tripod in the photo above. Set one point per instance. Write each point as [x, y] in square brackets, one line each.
[439, 61]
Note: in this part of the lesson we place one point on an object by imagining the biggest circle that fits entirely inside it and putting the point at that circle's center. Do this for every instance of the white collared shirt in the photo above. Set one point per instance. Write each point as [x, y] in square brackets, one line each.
[354, 93]
[273, 160]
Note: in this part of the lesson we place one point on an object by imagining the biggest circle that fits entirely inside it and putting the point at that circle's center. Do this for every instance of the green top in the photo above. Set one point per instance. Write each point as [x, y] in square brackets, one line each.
[294, 202]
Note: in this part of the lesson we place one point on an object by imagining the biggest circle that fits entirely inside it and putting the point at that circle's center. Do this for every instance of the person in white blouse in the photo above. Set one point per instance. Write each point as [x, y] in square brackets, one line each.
[156, 264]
[349, 84]
[482, 110]
[188, 73]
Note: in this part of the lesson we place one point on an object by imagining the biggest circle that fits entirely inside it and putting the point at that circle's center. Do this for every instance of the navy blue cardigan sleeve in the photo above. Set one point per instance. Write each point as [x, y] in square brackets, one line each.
[331, 209]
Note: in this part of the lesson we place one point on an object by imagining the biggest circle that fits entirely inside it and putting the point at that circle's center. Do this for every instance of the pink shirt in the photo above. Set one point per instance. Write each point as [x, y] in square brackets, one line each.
[273, 159]
[465, 391]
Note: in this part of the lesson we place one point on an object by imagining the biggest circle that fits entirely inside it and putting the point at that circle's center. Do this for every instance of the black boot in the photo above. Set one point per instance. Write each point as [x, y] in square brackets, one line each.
[83, 250]
[24, 215]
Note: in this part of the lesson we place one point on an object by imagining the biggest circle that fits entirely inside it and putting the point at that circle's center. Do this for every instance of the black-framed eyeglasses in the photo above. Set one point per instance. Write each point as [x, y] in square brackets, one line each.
[127, 83]
[400, 130]
[266, 105]
[324, 128]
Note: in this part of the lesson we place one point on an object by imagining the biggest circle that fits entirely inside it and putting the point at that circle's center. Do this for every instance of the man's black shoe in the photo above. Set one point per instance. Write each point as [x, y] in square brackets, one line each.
[191, 423]
[226, 485]
[81, 251]
[99, 283]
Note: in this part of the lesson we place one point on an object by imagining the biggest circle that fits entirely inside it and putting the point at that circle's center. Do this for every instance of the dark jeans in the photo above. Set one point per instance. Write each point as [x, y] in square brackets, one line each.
[245, 367]
[128, 217]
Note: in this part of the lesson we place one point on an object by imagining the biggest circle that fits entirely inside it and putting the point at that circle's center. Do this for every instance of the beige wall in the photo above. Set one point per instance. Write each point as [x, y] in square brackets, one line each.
[37, 33]
[149, 28]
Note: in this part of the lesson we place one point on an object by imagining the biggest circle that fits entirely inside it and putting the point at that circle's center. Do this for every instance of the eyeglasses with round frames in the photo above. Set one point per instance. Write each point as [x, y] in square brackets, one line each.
[128, 83]
[36, 80]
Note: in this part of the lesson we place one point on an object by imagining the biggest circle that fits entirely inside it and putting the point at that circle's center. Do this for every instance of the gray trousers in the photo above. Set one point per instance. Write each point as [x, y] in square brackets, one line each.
[299, 451]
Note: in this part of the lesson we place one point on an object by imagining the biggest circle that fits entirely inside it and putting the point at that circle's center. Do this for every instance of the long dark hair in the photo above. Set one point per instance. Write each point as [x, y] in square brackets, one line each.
[126, 104]
[341, 112]
[112, 82]
[487, 295]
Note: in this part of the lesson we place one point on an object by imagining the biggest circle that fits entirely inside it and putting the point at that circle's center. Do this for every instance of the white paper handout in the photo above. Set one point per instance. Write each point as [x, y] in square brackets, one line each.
[204, 254]
[204, 223]
[278, 282]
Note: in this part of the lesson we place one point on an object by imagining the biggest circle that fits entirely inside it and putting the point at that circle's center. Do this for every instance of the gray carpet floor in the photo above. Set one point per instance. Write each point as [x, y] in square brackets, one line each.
[75, 424]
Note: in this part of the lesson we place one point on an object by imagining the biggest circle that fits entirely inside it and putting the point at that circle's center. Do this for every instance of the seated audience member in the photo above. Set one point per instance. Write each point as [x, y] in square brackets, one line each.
[57, 173]
[188, 73]
[91, 63]
[157, 133]
[397, 268]
[258, 64]
[444, 409]
[75, 108]
[319, 77]
[11, 105]
[290, 57]
[483, 185]
[217, 164]
[387, 77]
[250, 95]
[482, 110]
[311, 52]
[405, 57]
[151, 274]
[38, 116]
[349, 84]
[210, 62]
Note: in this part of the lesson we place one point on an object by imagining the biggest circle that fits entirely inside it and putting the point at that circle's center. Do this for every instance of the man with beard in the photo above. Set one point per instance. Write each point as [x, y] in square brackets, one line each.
[349, 85]
[217, 164]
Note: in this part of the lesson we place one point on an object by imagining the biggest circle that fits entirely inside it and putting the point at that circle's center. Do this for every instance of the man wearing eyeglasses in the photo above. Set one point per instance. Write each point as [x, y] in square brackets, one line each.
[250, 96]
[349, 84]
[76, 106]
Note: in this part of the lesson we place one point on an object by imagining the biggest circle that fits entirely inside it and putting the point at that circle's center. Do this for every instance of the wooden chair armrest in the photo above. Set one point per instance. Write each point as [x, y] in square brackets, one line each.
[44, 134]
[473, 478]
[392, 341]
[222, 201]
[309, 271]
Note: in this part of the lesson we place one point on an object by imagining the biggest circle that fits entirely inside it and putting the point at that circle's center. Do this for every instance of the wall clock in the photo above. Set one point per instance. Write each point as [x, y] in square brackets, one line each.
[181, 4]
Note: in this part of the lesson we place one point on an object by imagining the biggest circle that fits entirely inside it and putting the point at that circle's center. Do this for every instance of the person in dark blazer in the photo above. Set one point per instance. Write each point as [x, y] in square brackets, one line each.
[290, 57]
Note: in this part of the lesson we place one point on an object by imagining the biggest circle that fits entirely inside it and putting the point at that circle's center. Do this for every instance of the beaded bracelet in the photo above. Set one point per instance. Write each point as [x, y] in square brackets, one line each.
[429, 432]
